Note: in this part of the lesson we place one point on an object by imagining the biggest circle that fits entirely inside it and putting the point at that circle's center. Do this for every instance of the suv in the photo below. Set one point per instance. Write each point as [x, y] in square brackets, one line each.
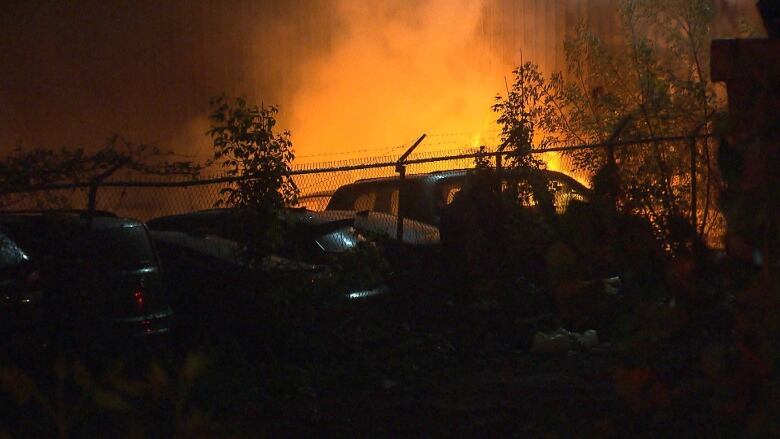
[430, 193]
[79, 275]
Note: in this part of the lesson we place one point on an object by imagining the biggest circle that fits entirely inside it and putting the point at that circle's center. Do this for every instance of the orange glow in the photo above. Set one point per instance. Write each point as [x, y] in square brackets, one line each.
[397, 73]
[395, 70]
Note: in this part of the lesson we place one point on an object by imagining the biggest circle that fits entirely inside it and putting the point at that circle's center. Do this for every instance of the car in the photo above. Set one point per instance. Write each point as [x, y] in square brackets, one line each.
[81, 275]
[430, 193]
[20, 290]
[208, 244]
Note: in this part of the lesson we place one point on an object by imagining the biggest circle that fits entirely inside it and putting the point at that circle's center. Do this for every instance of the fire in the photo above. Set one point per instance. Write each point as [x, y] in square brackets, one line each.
[391, 71]
[395, 72]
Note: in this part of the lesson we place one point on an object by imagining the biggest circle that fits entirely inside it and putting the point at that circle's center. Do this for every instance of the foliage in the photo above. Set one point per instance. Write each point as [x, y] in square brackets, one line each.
[364, 265]
[492, 236]
[482, 161]
[651, 82]
[654, 83]
[656, 75]
[523, 112]
[247, 145]
[249, 149]
[41, 166]
[25, 169]
[82, 399]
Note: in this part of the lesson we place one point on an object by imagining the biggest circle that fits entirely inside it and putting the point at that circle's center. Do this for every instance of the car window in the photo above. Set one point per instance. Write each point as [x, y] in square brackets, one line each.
[366, 201]
[121, 247]
[38, 239]
[449, 191]
[451, 194]
[394, 202]
[524, 191]
[563, 194]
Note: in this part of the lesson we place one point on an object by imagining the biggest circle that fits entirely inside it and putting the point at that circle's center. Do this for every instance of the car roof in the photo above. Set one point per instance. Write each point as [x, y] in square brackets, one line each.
[101, 221]
[456, 174]
[296, 215]
[431, 176]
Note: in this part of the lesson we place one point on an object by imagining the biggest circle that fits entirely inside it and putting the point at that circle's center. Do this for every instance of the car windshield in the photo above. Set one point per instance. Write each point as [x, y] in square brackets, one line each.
[339, 240]
[307, 243]
[37, 238]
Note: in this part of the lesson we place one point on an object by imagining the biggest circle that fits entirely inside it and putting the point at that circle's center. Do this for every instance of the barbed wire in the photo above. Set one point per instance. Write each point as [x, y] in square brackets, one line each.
[464, 133]
[357, 151]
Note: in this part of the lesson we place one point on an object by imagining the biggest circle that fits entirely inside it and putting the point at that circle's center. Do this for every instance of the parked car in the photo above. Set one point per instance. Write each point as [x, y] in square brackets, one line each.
[430, 193]
[20, 289]
[80, 276]
[209, 243]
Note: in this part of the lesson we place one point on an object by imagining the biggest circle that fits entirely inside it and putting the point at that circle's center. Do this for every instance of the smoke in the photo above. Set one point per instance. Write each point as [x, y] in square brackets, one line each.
[73, 73]
[401, 69]
[395, 73]
[348, 75]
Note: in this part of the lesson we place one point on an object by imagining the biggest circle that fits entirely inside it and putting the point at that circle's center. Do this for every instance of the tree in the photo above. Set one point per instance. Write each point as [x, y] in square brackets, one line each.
[32, 176]
[652, 82]
[528, 107]
[247, 146]
[523, 112]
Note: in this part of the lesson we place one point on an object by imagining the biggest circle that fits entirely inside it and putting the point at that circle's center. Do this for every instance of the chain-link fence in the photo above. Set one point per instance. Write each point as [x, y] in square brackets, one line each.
[677, 170]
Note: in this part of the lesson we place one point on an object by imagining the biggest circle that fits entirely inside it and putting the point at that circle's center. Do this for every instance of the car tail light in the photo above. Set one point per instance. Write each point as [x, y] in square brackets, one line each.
[138, 296]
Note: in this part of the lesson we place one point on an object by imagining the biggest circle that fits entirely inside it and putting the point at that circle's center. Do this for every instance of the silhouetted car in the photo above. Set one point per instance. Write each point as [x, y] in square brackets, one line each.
[21, 289]
[80, 277]
[207, 244]
[430, 193]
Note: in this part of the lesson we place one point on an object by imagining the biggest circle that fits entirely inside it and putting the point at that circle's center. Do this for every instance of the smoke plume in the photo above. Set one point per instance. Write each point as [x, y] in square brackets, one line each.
[348, 75]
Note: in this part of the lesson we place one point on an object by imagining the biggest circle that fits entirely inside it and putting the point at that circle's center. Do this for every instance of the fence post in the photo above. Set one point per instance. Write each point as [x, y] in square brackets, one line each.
[399, 223]
[93, 188]
[400, 167]
[92, 202]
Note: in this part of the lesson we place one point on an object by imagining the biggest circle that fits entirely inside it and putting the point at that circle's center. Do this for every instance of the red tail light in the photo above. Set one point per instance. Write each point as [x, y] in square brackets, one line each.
[138, 295]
